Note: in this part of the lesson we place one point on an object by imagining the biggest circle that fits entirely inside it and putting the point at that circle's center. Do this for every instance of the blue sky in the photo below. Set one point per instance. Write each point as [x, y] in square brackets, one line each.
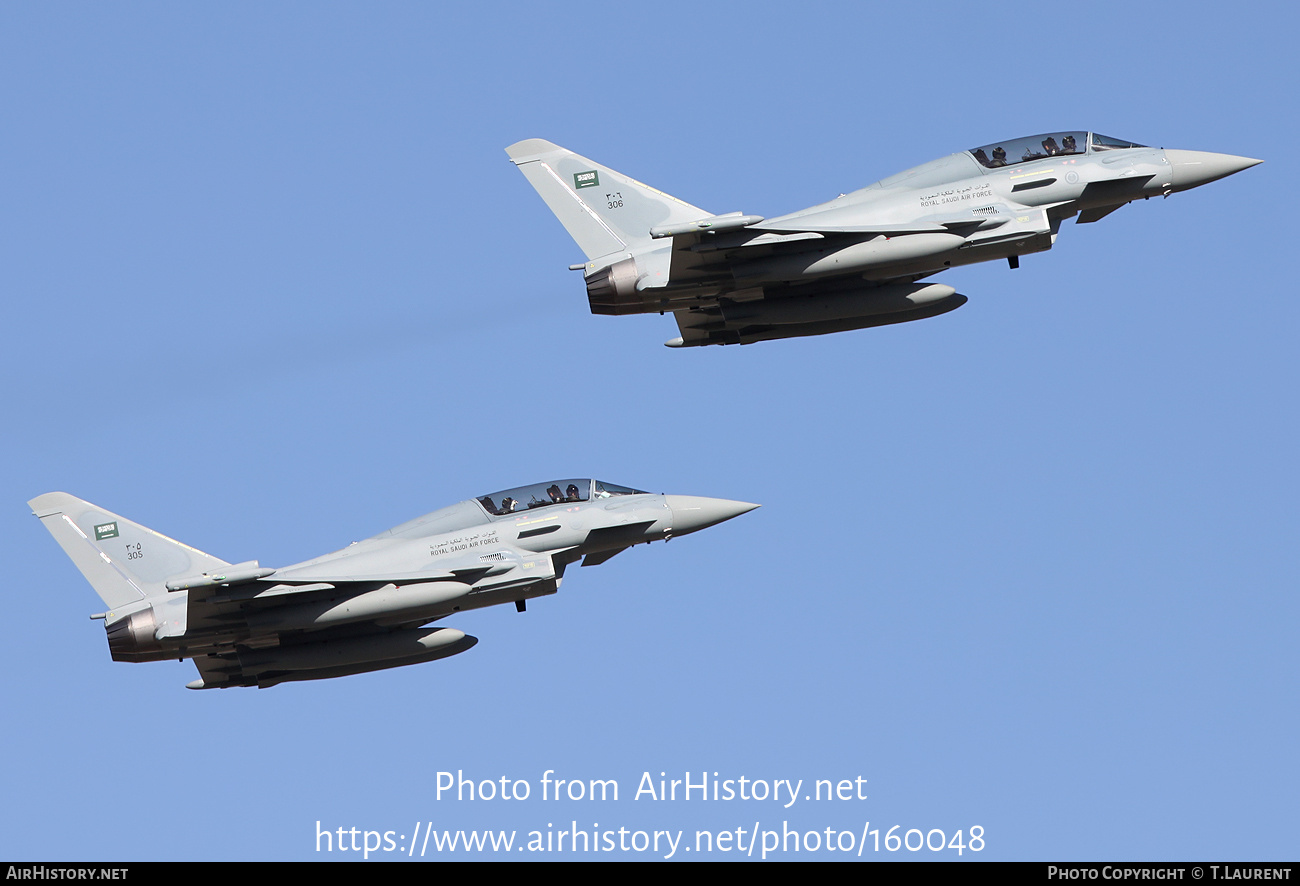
[272, 286]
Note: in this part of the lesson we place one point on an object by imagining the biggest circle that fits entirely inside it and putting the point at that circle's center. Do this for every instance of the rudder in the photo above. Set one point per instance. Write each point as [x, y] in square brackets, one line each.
[123, 561]
[604, 211]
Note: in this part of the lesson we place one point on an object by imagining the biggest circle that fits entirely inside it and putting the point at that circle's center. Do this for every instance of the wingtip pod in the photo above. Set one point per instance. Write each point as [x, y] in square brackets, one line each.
[731, 221]
[238, 573]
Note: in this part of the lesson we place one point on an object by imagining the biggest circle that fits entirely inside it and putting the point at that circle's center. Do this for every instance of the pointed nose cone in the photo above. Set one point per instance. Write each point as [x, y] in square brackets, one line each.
[1194, 168]
[692, 512]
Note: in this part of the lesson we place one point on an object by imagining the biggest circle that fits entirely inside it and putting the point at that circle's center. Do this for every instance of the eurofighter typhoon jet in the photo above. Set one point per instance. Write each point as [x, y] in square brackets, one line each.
[860, 260]
[366, 607]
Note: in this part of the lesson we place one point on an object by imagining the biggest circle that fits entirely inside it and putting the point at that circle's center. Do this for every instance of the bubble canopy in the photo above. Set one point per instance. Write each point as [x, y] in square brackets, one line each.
[1050, 144]
[547, 493]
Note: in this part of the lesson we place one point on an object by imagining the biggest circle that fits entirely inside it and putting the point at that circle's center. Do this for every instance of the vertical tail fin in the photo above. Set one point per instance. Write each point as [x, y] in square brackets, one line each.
[603, 211]
[123, 561]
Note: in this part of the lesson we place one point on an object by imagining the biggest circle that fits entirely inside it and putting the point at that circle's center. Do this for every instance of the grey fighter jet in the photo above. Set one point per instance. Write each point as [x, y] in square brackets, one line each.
[368, 606]
[860, 260]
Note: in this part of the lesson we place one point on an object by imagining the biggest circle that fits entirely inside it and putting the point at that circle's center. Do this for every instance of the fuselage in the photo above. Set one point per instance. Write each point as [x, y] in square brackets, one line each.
[855, 261]
[505, 547]
[995, 201]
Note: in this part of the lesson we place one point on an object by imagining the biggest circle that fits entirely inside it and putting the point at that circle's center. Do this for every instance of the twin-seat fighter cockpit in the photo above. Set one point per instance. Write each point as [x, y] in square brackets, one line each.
[540, 495]
[1039, 147]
